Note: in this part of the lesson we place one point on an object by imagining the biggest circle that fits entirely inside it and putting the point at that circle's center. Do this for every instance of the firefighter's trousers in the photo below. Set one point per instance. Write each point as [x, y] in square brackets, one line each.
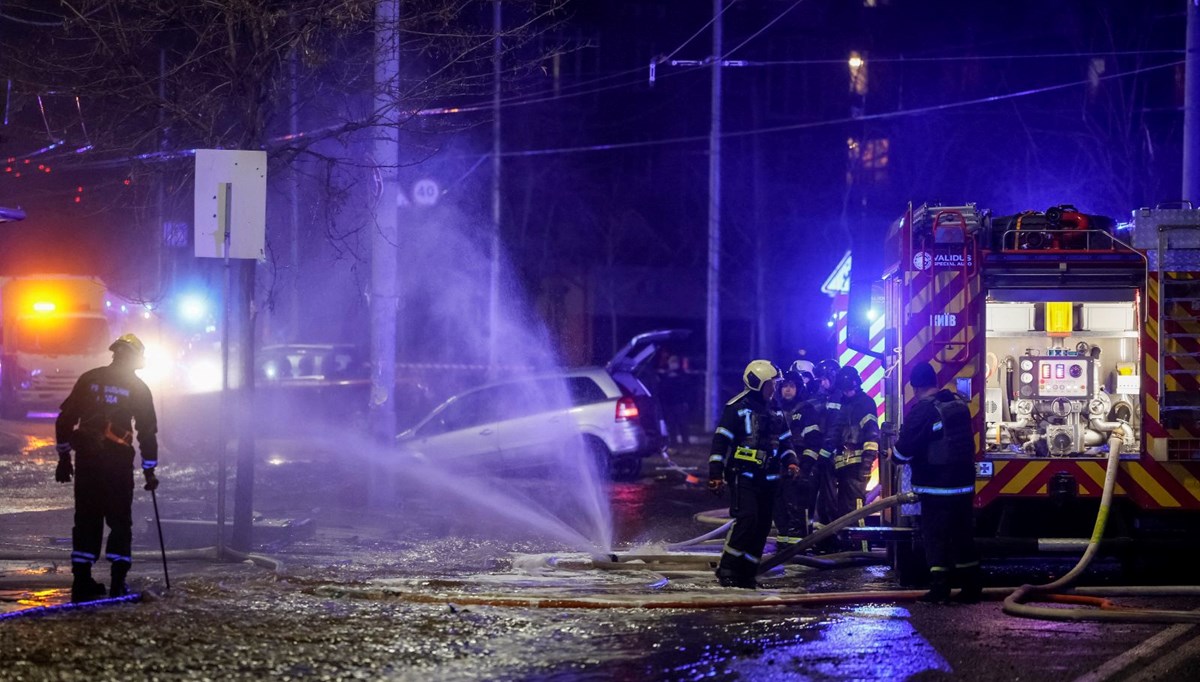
[826, 489]
[793, 507]
[751, 501]
[948, 534]
[852, 477]
[103, 494]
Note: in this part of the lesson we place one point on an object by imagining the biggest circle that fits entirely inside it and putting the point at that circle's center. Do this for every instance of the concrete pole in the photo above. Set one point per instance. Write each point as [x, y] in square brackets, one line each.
[712, 338]
[383, 287]
[1191, 107]
[494, 298]
[293, 291]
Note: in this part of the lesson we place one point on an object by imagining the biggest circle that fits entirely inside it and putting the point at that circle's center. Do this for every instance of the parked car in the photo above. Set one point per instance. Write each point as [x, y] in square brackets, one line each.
[311, 363]
[606, 413]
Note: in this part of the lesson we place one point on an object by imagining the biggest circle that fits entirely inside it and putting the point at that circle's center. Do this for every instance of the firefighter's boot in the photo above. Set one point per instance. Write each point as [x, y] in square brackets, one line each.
[939, 589]
[972, 585]
[737, 578]
[118, 588]
[84, 588]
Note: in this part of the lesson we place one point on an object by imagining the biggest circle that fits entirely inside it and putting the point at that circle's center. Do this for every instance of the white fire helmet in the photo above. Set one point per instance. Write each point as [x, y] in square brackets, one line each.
[758, 373]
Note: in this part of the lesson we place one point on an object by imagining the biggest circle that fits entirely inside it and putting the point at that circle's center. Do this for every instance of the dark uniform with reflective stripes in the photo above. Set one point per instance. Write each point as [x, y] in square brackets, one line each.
[796, 495]
[96, 420]
[751, 446]
[855, 436]
[937, 441]
[813, 427]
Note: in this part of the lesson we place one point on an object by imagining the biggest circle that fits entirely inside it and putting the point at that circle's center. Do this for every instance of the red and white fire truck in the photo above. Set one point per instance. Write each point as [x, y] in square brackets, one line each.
[1069, 334]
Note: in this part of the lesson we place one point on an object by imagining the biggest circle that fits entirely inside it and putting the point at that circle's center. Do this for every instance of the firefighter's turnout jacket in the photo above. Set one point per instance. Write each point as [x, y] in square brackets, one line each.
[854, 432]
[812, 426]
[752, 439]
[936, 441]
[97, 421]
[100, 413]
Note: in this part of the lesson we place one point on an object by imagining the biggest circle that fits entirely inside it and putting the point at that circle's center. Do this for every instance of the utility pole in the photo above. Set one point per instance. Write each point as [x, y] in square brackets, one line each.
[293, 324]
[712, 337]
[1191, 106]
[494, 298]
[383, 296]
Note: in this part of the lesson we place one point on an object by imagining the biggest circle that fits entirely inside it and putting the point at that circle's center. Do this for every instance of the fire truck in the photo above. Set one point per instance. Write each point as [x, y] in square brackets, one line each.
[1069, 334]
[52, 329]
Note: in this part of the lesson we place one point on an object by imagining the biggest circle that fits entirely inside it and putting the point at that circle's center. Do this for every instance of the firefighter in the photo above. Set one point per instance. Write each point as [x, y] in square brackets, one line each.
[856, 437]
[806, 370]
[937, 441]
[814, 428]
[750, 448]
[97, 421]
[793, 499]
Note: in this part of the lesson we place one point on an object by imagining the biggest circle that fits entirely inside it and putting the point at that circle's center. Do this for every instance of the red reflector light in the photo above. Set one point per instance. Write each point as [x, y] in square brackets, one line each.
[626, 409]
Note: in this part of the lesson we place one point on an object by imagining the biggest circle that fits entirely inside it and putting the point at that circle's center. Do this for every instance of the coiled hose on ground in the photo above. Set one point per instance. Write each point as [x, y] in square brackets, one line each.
[1014, 604]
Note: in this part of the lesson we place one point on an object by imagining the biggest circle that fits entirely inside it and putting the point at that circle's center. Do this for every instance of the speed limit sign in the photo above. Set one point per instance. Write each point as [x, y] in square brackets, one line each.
[425, 192]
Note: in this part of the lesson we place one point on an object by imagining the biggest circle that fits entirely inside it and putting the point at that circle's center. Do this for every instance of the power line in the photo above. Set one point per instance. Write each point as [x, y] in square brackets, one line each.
[842, 120]
[698, 65]
[166, 156]
[969, 58]
[759, 32]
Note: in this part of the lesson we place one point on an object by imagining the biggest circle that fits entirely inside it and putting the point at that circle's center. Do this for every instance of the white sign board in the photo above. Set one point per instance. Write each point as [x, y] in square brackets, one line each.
[231, 203]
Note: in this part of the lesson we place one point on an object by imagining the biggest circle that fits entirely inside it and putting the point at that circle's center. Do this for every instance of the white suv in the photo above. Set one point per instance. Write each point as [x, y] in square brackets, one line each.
[524, 422]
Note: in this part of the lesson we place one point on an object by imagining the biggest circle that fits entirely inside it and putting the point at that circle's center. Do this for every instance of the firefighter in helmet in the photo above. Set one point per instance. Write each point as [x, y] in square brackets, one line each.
[97, 421]
[806, 371]
[856, 432]
[750, 449]
[813, 426]
[793, 499]
[937, 440]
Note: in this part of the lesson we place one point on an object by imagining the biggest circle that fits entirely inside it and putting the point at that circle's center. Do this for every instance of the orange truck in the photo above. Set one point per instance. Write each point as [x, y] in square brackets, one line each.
[53, 329]
[1069, 334]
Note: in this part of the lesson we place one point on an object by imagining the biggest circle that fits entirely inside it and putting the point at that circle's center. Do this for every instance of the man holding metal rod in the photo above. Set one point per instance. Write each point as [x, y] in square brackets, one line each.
[97, 421]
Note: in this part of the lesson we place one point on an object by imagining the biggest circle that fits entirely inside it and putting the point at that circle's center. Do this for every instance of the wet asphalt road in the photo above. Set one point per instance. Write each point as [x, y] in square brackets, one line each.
[391, 574]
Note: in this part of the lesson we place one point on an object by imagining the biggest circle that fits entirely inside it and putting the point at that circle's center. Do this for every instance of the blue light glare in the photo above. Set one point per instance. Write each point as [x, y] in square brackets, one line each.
[872, 314]
[193, 308]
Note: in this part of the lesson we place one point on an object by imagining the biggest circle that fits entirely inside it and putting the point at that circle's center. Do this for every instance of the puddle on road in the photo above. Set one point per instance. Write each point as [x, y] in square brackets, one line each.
[27, 464]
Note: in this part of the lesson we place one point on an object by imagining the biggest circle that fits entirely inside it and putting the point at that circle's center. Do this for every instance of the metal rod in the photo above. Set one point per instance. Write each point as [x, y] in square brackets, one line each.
[161, 545]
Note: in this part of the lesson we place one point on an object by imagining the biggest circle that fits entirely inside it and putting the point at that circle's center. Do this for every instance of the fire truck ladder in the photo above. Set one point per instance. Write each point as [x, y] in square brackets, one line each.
[1178, 303]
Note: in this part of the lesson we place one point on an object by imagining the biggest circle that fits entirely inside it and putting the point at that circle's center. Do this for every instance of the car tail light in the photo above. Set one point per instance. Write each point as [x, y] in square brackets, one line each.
[626, 409]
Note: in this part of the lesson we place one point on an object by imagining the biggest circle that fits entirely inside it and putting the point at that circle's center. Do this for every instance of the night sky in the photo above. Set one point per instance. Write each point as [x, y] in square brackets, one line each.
[1013, 106]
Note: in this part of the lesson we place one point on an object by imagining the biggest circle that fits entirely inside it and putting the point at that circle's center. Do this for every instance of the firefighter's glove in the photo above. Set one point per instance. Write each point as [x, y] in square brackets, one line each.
[151, 479]
[793, 471]
[716, 486]
[64, 471]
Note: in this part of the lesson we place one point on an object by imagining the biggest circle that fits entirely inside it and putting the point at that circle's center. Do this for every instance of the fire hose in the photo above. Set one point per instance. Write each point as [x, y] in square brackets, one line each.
[1015, 603]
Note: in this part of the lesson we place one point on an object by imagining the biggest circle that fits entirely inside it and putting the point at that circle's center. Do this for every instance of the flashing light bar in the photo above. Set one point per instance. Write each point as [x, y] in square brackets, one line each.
[44, 306]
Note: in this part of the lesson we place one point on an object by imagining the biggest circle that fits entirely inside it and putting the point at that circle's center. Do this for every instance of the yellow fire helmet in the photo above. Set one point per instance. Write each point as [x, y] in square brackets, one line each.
[758, 373]
[130, 341]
